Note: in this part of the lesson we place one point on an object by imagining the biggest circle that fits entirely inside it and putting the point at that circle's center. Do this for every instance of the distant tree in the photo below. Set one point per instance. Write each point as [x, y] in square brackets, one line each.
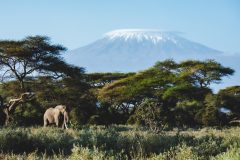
[179, 89]
[230, 99]
[133, 89]
[203, 73]
[187, 103]
[151, 114]
[188, 113]
[79, 97]
[101, 79]
[211, 113]
[33, 56]
[10, 107]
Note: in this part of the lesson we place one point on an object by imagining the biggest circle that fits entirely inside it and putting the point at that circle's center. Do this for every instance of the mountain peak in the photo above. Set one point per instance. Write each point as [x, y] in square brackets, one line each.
[140, 35]
[132, 31]
[128, 50]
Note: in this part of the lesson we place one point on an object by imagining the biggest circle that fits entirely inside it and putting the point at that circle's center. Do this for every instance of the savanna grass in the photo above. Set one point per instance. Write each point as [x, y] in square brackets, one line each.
[118, 142]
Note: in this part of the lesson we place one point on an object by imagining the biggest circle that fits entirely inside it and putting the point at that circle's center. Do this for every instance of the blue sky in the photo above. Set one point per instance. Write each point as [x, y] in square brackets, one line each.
[74, 23]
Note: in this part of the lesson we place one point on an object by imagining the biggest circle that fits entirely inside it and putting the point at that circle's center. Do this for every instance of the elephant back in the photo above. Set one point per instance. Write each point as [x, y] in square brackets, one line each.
[61, 107]
[52, 111]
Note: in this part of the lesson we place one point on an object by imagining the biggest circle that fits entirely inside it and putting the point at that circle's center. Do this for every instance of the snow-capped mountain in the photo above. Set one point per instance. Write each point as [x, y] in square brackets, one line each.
[136, 49]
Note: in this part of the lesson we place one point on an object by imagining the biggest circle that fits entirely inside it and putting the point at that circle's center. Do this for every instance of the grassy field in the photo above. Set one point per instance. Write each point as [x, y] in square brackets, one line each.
[119, 142]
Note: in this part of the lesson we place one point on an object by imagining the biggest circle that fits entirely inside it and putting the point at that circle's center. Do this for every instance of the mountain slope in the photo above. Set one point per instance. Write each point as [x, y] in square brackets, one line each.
[136, 49]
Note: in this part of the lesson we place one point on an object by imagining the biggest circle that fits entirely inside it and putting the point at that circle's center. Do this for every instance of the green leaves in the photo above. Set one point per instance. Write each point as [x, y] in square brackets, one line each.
[203, 73]
[170, 84]
[230, 99]
[34, 55]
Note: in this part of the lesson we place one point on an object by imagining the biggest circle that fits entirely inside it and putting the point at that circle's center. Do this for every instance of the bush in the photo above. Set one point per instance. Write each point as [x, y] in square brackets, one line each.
[182, 152]
[118, 142]
[95, 119]
[86, 154]
[150, 114]
[233, 153]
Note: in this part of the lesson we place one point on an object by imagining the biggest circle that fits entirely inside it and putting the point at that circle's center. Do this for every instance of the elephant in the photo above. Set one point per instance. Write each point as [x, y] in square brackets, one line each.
[54, 115]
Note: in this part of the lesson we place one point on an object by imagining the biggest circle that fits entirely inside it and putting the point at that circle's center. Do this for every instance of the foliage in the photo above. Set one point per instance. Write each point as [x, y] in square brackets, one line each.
[35, 65]
[101, 79]
[50, 92]
[87, 154]
[203, 73]
[181, 152]
[171, 85]
[230, 99]
[19, 59]
[119, 142]
[134, 88]
[233, 153]
[151, 114]
[210, 113]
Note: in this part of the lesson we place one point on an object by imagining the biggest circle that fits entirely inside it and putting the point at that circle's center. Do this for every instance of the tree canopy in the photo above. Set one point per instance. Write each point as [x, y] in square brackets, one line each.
[230, 99]
[33, 56]
[179, 89]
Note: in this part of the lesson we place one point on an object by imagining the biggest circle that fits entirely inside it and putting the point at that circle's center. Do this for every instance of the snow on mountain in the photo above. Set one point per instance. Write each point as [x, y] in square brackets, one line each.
[131, 50]
[140, 35]
[136, 49]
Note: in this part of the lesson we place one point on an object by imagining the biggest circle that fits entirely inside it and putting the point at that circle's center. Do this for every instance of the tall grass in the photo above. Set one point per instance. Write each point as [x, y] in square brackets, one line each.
[118, 142]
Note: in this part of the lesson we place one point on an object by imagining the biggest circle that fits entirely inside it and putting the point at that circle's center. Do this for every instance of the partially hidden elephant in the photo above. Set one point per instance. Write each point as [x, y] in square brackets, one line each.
[54, 115]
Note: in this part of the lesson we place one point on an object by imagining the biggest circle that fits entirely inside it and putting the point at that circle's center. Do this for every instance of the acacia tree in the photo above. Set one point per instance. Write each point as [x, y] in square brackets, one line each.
[210, 114]
[129, 91]
[175, 86]
[99, 80]
[230, 98]
[127, 94]
[10, 107]
[33, 56]
[203, 73]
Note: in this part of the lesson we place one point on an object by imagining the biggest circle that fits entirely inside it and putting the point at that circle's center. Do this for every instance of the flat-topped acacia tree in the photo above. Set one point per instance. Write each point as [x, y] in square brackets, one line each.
[171, 85]
[33, 56]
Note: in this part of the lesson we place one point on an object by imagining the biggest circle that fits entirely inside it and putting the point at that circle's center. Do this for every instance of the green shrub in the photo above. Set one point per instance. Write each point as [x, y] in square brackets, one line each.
[95, 119]
[118, 142]
[79, 153]
[179, 153]
[232, 154]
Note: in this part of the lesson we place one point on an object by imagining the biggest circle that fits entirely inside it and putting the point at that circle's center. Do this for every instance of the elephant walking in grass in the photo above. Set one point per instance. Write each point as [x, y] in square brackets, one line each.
[55, 115]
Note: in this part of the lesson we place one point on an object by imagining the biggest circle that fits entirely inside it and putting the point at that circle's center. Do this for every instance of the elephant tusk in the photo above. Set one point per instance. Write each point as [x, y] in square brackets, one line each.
[65, 125]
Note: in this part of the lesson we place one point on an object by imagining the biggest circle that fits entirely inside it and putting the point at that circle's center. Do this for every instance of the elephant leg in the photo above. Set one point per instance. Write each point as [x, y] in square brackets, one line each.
[45, 122]
[56, 121]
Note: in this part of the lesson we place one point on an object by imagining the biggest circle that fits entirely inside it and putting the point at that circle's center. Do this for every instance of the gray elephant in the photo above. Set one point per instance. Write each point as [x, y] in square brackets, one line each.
[54, 115]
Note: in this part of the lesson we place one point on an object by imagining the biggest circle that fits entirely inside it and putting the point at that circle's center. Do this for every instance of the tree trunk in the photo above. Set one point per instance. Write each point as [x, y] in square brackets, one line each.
[7, 118]
[22, 85]
[13, 103]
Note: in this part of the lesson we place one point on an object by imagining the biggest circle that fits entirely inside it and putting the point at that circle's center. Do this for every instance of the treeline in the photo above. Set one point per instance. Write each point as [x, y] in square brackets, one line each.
[165, 95]
[175, 94]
